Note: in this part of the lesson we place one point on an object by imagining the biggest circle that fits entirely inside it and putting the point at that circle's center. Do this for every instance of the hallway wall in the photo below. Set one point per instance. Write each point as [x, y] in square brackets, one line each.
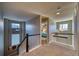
[77, 30]
[33, 27]
[1, 33]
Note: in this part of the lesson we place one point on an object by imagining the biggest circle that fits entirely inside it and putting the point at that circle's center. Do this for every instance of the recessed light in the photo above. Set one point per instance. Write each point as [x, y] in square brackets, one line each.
[57, 13]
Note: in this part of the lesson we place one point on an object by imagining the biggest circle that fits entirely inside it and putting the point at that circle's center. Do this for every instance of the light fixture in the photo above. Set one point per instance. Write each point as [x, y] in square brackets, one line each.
[59, 11]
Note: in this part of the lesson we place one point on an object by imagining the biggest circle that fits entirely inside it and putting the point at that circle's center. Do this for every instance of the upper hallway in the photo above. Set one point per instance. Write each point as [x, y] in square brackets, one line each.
[28, 11]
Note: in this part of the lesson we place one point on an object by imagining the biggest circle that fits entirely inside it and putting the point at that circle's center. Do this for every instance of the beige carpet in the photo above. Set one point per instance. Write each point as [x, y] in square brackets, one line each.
[50, 50]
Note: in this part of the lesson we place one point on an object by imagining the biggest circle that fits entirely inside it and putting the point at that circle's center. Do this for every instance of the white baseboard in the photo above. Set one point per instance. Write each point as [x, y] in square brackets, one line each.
[30, 49]
[12, 54]
[63, 44]
[34, 48]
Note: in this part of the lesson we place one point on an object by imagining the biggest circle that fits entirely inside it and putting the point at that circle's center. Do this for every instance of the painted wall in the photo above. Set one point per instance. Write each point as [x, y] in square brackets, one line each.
[1, 35]
[77, 30]
[33, 27]
[52, 28]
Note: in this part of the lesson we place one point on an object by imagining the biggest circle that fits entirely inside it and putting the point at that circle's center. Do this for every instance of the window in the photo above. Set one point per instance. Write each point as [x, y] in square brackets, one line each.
[15, 36]
[63, 27]
[15, 39]
[15, 25]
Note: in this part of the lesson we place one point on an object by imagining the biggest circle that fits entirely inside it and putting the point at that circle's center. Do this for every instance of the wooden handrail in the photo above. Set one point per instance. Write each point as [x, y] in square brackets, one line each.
[34, 34]
[63, 33]
[26, 37]
[60, 36]
[20, 44]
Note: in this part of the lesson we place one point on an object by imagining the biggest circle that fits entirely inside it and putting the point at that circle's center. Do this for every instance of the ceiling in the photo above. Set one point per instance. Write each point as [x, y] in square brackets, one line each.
[29, 10]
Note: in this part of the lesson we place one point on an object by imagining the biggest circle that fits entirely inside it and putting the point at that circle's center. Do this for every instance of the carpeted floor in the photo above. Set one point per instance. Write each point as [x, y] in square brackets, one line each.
[50, 50]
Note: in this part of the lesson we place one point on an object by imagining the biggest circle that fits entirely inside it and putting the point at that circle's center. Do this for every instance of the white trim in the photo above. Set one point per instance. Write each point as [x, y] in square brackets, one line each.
[34, 48]
[73, 32]
[40, 28]
[12, 53]
[63, 44]
[30, 49]
[71, 18]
